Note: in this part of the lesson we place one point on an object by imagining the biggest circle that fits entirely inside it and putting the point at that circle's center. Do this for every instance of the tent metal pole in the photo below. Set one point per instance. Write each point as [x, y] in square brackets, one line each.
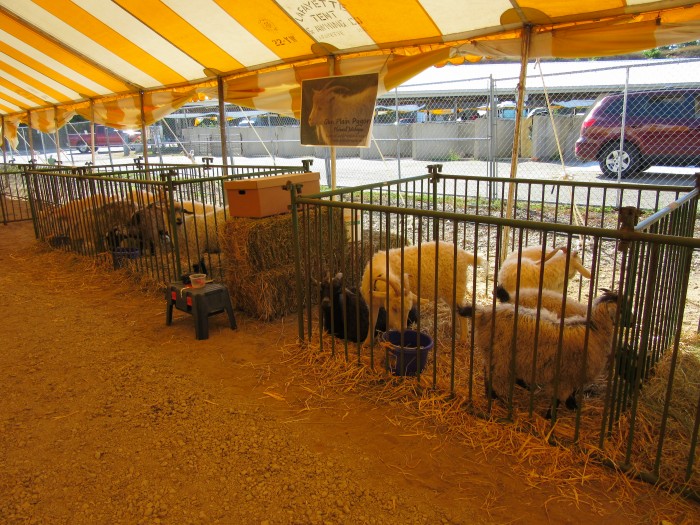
[524, 52]
[222, 124]
[333, 63]
[93, 149]
[31, 135]
[144, 138]
[2, 138]
[55, 131]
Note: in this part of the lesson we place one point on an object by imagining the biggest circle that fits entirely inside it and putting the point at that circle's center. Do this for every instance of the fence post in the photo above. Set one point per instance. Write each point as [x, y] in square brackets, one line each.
[627, 219]
[292, 188]
[433, 171]
[167, 177]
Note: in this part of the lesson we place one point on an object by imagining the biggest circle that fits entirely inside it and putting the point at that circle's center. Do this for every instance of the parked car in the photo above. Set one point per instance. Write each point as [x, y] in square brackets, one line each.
[104, 136]
[661, 128]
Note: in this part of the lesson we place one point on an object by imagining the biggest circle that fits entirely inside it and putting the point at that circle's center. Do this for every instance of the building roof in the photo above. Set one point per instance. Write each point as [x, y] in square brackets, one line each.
[571, 76]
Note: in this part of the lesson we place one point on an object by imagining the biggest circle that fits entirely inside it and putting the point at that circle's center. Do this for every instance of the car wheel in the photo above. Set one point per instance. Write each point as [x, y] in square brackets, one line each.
[83, 149]
[628, 161]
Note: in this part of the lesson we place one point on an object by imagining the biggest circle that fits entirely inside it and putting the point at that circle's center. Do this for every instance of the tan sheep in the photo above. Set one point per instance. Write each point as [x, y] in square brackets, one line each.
[579, 364]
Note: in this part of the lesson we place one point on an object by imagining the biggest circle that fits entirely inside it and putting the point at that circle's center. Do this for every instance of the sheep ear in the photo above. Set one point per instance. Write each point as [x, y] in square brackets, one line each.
[551, 254]
[420, 300]
[581, 268]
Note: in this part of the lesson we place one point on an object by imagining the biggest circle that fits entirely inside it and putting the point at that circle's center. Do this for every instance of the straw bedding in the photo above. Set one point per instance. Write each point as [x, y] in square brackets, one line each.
[545, 451]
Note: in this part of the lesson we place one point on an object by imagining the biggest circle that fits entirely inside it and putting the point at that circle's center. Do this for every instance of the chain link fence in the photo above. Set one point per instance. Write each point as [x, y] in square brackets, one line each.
[638, 121]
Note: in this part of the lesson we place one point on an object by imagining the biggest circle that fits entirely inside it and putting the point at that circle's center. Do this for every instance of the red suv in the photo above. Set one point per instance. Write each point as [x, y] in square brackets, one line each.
[661, 128]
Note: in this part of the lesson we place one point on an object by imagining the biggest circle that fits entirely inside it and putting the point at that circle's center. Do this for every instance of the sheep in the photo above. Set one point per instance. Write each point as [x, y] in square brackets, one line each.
[201, 231]
[149, 226]
[88, 221]
[578, 365]
[194, 207]
[345, 309]
[152, 225]
[530, 264]
[550, 300]
[112, 217]
[331, 291]
[334, 104]
[394, 283]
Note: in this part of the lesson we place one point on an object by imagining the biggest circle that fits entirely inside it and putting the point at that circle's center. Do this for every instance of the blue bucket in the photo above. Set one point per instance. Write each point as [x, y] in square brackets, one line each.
[411, 358]
[121, 255]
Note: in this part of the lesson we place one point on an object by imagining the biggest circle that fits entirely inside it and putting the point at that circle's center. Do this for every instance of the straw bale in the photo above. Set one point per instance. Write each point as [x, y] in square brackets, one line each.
[265, 295]
[266, 243]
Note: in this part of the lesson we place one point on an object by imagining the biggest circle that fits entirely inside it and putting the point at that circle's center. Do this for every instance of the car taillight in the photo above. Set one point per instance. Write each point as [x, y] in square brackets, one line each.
[587, 123]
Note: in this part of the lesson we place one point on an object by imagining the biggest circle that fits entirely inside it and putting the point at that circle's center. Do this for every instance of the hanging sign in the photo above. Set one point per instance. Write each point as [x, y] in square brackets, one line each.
[338, 111]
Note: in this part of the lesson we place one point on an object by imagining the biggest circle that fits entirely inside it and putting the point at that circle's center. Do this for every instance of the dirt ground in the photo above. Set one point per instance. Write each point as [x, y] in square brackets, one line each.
[111, 417]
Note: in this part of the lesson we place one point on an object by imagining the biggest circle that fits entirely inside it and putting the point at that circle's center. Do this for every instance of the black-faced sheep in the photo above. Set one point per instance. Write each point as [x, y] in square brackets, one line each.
[579, 364]
[399, 291]
[339, 311]
[149, 227]
[554, 276]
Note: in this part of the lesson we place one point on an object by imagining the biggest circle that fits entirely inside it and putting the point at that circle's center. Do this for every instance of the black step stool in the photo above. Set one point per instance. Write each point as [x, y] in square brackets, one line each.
[201, 302]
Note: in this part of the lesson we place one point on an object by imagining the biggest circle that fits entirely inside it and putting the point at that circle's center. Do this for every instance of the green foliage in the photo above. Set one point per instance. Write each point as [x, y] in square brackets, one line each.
[652, 53]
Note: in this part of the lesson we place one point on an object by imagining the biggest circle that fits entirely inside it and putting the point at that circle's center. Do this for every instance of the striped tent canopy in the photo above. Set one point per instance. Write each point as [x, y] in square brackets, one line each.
[125, 63]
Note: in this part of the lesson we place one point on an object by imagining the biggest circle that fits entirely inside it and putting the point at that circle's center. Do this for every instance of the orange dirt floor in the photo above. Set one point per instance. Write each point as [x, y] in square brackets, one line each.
[108, 416]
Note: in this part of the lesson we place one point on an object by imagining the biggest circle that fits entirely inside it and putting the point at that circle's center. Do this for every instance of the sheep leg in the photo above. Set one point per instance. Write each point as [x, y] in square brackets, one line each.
[570, 403]
[522, 384]
[488, 387]
[373, 321]
[490, 393]
[548, 415]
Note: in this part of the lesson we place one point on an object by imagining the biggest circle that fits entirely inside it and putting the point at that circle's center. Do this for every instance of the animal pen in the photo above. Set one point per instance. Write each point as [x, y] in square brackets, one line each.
[96, 211]
[642, 414]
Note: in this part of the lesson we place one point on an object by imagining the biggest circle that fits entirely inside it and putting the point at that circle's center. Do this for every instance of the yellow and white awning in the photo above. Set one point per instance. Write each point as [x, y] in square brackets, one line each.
[102, 57]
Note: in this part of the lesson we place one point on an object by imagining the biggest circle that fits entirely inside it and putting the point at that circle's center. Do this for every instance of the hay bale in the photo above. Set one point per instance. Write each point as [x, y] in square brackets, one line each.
[267, 243]
[265, 295]
[258, 258]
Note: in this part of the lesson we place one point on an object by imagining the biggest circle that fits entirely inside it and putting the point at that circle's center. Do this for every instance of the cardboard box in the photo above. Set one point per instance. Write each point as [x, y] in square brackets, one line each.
[265, 196]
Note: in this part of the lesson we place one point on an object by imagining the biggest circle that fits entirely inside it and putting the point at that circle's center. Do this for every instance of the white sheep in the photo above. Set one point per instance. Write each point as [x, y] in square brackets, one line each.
[531, 261]
[378, 288]
[578, 365]
[334, 106]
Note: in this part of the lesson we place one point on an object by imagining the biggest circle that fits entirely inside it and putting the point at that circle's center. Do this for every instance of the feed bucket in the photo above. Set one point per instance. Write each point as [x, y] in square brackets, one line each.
[198, 280]
[411, 358]
[121, 255]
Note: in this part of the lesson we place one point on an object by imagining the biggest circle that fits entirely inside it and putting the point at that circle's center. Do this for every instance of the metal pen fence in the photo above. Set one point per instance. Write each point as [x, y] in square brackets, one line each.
[649, 266]
[166, 217]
